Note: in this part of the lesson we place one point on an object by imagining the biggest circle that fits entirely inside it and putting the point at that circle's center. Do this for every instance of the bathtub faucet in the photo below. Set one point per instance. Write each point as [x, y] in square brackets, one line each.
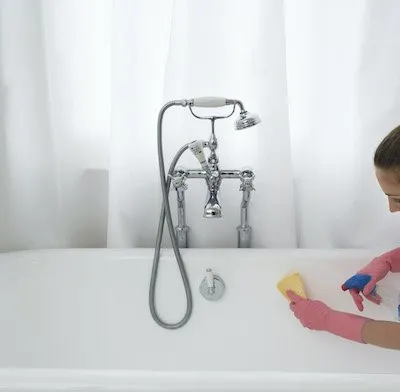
[213, 176]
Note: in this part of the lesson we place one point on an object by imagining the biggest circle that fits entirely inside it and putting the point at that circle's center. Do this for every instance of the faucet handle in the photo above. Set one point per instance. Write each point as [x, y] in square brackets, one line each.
[246, 177]
[210, 280]
[212, 286]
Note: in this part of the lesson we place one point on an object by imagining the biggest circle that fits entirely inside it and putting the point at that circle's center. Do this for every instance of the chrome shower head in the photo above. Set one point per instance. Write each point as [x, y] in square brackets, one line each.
[246, 120]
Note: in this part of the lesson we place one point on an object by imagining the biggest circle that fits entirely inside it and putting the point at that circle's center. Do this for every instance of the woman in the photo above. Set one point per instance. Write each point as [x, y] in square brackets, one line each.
[316, 315]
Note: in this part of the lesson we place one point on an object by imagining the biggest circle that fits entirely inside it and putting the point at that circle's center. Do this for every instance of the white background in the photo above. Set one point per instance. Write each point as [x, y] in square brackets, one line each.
[81, 84]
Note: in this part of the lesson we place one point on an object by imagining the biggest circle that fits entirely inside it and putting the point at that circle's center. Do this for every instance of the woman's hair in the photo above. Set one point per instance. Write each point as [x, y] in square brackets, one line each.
[387, 154]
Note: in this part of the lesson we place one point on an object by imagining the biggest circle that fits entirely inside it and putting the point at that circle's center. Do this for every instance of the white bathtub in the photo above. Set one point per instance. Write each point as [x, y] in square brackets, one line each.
[78, 320]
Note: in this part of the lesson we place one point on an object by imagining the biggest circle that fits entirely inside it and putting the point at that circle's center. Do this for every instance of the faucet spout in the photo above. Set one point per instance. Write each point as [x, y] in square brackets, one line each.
[213, 209]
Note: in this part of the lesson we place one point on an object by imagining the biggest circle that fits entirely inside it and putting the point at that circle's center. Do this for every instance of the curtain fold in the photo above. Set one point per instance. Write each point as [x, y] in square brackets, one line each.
[82, 82]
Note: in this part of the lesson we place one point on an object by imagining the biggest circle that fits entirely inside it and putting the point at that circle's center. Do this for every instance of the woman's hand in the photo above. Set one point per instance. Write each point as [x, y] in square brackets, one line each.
[315, 315]
[312, 314]
[377, 269]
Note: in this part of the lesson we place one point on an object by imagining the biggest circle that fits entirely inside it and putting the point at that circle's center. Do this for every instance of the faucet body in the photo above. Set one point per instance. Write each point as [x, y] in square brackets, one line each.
[213, 177]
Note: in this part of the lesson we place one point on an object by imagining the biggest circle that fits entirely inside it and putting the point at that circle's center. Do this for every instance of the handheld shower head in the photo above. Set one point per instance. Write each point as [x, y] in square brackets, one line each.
[246, 120]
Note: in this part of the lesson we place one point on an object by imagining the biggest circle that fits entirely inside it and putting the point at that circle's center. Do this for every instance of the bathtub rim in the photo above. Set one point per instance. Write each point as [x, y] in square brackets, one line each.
[149, 380]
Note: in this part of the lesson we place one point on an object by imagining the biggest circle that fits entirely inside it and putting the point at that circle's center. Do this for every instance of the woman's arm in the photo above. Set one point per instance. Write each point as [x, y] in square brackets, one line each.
[382, 333]
[317, 316]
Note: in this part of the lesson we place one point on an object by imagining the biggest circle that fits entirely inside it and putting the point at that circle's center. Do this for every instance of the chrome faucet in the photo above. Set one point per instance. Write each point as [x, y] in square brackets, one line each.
[213, 176]
[210, 171]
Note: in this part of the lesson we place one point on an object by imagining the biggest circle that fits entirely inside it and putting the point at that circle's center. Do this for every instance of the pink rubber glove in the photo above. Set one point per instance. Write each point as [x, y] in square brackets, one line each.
[315, 315]
[378, 268]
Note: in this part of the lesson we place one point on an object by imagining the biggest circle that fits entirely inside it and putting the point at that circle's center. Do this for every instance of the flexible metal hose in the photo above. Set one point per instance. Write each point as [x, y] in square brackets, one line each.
[166, 214]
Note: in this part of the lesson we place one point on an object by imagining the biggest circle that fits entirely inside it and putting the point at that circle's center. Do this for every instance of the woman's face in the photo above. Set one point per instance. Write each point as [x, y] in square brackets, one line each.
[390, 186]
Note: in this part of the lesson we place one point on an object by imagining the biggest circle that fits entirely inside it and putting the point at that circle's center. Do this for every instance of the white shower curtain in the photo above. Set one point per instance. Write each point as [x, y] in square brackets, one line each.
[82, 81]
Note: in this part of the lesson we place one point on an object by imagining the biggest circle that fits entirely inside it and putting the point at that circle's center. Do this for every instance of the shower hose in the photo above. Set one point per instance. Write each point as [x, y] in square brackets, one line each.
[166, 214]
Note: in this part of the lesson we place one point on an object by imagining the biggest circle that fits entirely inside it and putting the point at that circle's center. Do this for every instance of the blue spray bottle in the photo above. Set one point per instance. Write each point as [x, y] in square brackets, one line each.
[390, 297]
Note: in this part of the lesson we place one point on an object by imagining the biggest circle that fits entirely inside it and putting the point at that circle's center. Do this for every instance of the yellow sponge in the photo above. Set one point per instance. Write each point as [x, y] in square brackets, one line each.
[292, 283]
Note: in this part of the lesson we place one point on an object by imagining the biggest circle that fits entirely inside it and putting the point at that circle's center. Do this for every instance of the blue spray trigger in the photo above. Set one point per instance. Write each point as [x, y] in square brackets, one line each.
[357, 282]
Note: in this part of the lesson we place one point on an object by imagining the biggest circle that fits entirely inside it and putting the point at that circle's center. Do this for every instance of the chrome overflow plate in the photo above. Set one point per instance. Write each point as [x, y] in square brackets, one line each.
[212, 287]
